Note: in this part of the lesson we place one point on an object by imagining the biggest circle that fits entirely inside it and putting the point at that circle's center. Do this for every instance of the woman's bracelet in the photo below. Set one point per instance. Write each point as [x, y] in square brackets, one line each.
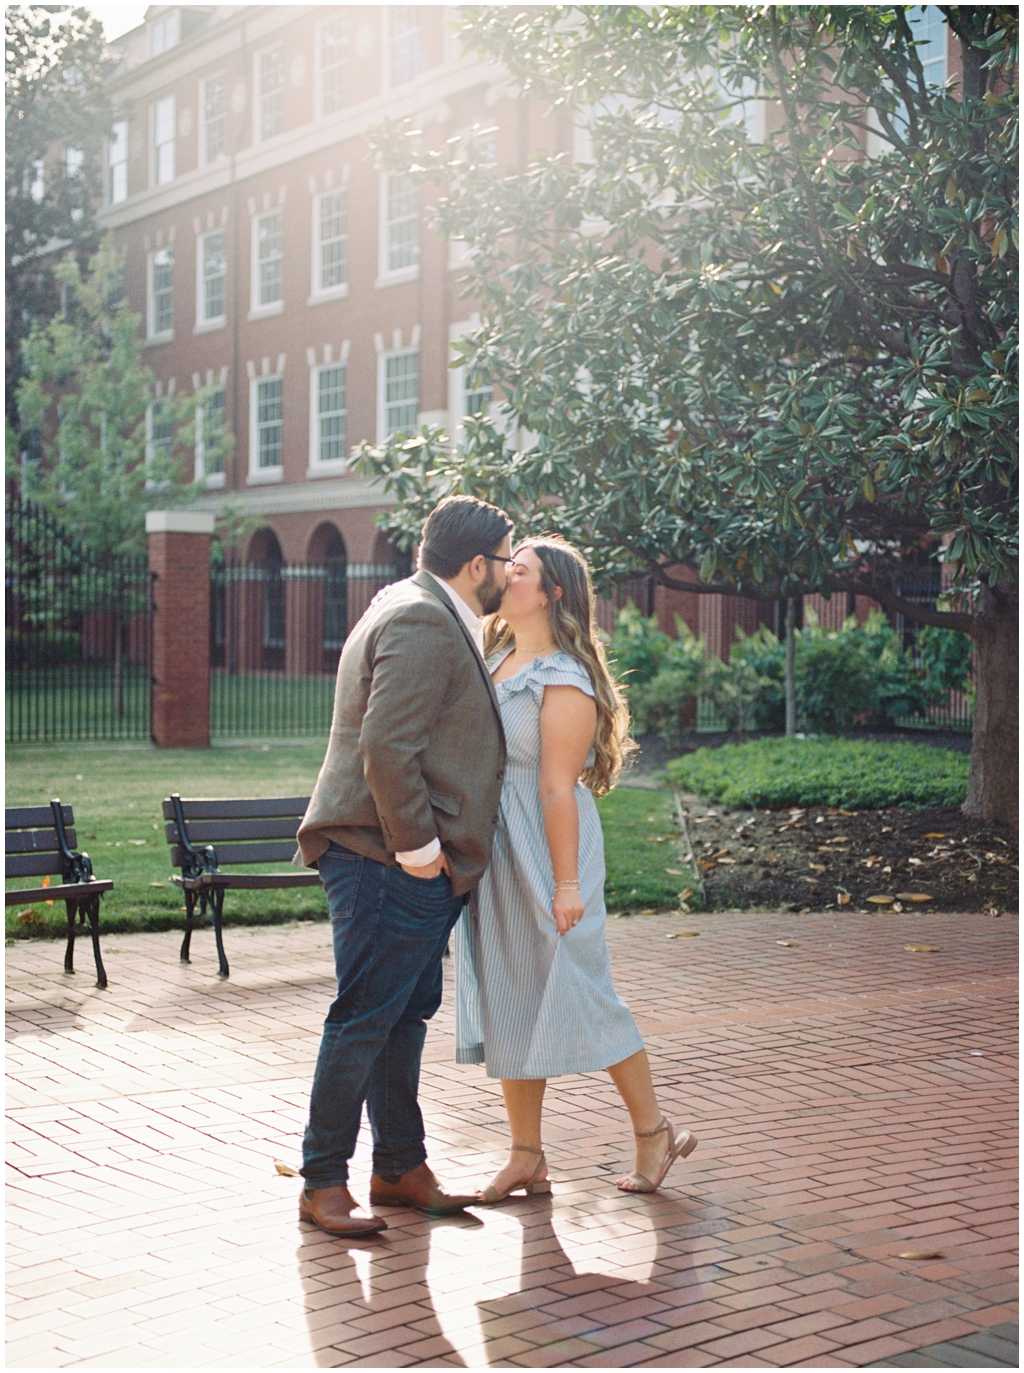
[568, 882]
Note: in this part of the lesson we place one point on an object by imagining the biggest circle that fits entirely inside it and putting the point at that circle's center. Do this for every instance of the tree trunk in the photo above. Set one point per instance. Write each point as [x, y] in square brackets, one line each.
[791, 665]
[992, 792]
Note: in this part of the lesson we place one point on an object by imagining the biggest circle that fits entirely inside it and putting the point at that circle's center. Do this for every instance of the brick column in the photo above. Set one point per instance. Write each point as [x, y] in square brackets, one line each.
[179, 558]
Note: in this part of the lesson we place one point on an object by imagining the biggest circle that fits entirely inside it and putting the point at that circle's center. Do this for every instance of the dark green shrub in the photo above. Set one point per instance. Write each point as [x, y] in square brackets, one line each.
[947, 657]
[834, 681]
[659, 705]
[638, 648]
[855, 774]
[766, 656]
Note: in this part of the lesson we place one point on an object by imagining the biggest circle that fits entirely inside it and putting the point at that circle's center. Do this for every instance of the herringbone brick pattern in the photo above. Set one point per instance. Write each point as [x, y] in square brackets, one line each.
[853, 1101]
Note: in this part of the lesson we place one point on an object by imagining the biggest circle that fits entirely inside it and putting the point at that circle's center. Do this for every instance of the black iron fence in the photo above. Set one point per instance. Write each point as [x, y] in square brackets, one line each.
[276, 633]
[78, 646]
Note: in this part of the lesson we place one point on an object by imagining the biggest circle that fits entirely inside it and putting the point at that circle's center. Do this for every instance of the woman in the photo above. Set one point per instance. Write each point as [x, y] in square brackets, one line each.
[534, 994]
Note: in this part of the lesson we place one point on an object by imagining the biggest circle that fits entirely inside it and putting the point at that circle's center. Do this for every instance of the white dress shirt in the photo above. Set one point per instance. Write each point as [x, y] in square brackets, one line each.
[419, 858]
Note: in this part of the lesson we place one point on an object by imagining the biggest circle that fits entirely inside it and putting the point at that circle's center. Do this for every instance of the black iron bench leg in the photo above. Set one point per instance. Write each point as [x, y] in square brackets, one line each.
[216, 900]
[69, 952]
[190, 913]
[92, 910]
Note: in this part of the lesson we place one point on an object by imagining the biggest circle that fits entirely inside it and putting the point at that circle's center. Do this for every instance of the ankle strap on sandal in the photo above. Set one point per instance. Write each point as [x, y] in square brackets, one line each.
[647, 1134]
[523, 1149]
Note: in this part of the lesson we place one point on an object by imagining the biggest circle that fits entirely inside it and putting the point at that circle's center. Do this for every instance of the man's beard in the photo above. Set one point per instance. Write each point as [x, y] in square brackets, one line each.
[489, 593]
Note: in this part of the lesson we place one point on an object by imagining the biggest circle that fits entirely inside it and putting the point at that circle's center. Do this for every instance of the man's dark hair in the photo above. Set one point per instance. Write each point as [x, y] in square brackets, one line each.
[457, 530]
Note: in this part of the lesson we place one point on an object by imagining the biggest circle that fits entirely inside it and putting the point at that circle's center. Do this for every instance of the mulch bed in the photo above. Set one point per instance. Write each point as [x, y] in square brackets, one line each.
[826, 859]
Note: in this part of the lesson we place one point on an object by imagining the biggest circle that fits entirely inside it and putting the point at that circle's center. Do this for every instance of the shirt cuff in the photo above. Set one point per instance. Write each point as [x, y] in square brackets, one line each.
[419, 858]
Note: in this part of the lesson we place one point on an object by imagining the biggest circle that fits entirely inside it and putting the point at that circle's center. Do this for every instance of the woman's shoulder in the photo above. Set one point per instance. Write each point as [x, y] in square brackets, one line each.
[560, 669]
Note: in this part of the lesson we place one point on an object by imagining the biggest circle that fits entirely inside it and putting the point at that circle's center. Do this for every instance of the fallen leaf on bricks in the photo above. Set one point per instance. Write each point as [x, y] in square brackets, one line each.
[683, 934]
[787, 943]
[684, 909]
[918, 1254]
[649, 911]
[920, 948]
[285, 1169]
[914, 896]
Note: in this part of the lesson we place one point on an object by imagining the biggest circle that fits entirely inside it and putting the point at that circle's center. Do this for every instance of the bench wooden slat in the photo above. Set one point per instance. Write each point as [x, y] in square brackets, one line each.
[61, 892]
[216, 831]
[37, 841]
[244, 853]
[28, 817]
[256, 881]
[32, 865]
[200, 809]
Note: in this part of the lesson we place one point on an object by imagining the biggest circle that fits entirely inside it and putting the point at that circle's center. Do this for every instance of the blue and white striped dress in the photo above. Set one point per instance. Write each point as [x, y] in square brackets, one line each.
[531, 1003]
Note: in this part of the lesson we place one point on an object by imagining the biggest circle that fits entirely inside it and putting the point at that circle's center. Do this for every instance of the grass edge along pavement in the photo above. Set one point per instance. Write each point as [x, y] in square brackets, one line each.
[116, 791]
[853, 774]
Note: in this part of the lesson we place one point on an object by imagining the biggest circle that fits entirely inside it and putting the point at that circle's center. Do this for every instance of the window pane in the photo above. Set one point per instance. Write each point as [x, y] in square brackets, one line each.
[212, 432]
[401, 392]
[214, 269]
[403, 223]
[333, 241]
[162, 291]
[163, 140]
[215, 106]
[268, 422]
[406, 44]
[270, 258]
[271, 91]
[333, 64]
[331, 402]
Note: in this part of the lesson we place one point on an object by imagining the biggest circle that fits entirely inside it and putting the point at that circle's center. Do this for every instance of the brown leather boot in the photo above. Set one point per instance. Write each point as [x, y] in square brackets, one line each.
[418, 1189]
[334, 1209]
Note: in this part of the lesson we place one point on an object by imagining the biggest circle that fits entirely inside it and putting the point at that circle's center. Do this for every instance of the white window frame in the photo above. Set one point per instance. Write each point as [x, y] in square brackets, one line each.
[273, 307]
[263, 475]
[319, 91]
[387, 49]
[161, 175]
[164, 33]
[204, 324]
[321, 467]
[382, 401]
[153, 335]
[386, 275]
[204, 136]
[162, 402]
[318, 293]
[213, 480]
[258, 136]
[116, 179]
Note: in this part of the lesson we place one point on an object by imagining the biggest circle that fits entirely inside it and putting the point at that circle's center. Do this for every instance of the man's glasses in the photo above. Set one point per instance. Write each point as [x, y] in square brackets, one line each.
[497, 558]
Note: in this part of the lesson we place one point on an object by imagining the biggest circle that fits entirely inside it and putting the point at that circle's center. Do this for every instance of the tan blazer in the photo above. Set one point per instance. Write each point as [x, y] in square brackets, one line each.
[416, 747]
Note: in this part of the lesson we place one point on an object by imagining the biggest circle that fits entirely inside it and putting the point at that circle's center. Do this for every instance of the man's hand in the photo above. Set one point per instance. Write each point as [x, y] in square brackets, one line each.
[434, 869]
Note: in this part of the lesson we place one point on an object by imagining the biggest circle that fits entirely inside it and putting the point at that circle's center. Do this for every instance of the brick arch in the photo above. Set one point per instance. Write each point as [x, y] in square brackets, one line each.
[326, 544]
[386, 555]
[263, 547]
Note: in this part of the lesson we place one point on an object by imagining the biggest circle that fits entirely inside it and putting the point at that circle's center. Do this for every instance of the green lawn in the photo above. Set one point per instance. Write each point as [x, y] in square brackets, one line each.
[116, 792]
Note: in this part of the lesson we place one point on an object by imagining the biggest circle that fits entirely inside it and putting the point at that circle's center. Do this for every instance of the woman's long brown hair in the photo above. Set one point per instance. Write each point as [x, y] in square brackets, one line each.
[575, 632]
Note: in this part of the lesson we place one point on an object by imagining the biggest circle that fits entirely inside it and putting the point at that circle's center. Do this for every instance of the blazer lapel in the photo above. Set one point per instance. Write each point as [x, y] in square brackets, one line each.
[436, 588]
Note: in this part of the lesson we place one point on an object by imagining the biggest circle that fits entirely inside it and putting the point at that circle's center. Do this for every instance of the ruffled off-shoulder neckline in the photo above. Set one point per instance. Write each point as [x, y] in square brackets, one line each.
[538, 674]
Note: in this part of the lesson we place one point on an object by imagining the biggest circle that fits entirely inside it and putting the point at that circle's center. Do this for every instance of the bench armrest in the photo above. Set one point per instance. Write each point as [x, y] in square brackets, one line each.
[77, 866]
[197, 861]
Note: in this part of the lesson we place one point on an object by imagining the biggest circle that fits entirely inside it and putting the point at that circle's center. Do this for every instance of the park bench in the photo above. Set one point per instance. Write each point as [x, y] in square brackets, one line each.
[40, 843]
[203, 834]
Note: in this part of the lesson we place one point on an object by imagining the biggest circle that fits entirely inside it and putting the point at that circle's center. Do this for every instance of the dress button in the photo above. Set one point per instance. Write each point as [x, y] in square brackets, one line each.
[494, 819]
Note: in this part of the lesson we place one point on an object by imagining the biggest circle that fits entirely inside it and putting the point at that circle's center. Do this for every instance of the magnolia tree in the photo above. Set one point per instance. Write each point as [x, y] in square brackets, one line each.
[786, 363]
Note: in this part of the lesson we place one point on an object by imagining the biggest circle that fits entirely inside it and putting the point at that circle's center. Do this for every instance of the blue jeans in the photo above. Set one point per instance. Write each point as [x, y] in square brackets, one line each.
[390, 932]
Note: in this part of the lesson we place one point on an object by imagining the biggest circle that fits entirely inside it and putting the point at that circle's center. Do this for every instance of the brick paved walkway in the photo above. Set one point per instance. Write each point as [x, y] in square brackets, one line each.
[853, 1100]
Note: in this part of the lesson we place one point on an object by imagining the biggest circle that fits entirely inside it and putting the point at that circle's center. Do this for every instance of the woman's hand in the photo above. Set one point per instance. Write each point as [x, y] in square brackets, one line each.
[567, 905]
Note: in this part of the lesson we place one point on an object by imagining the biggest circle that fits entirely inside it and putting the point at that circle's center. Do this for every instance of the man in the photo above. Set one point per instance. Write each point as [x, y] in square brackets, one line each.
[399, 827]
